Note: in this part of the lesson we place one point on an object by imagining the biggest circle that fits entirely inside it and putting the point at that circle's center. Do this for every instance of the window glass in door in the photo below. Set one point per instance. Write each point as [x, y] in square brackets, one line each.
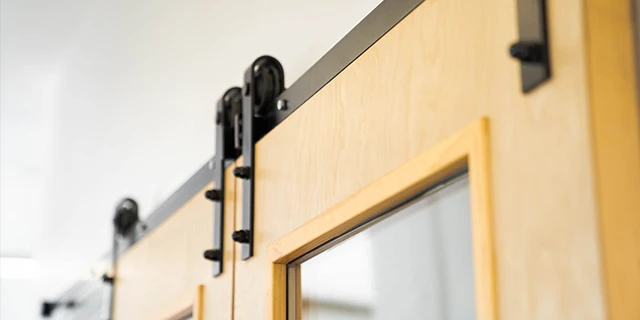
[414, 262]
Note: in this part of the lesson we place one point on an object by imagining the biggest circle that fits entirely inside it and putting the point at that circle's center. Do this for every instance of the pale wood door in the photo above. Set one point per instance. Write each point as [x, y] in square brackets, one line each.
[555, 154]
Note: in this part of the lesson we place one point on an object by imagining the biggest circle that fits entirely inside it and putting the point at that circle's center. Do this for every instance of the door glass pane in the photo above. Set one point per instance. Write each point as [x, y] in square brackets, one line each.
[414, 262]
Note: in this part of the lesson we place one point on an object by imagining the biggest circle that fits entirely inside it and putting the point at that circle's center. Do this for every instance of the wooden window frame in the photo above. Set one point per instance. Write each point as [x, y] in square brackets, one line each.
[189, 303]
[467, 149]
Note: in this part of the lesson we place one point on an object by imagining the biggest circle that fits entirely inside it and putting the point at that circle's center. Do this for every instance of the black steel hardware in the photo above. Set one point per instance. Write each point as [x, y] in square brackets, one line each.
[282, 105]
[263, 82]
[533, 47]
[242, 172]
[228, 109]
[528, 52]
[126, 217]
[241, 236]
[49, 306]
[107, 279]
[213, 195]
[124, 223]
[213, 255]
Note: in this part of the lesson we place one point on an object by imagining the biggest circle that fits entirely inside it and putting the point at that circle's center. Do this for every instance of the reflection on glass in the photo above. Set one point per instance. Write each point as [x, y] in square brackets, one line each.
[415, 263]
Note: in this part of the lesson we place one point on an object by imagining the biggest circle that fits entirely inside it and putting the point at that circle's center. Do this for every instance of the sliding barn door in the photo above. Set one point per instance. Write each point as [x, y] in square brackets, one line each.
[422, 183]
[164, 275]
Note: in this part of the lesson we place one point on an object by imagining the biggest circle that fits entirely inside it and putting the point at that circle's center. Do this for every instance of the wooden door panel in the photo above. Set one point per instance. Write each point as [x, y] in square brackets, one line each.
[439, 69]
[166, 267]
[465, 150]
[616, 149]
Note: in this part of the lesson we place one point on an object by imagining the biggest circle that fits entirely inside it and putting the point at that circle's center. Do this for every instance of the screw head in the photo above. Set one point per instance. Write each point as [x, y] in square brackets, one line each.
[212, 254]
[532, 52]
[241, 236]
[282, 104]
[213, 195]
[242, 172]
[107, 279]
[48, 307]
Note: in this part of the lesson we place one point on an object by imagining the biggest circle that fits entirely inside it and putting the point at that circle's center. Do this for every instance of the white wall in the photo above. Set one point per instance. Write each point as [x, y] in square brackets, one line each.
[103, 99]
[19, 299]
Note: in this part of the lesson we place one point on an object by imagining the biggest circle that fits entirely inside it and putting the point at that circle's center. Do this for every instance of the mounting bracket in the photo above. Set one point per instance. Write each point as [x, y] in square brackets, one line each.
[533, 47]
[227, 109]
[263, 82]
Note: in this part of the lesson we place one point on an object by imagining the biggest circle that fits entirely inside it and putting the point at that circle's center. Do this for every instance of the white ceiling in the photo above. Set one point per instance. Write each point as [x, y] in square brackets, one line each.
[103, 99]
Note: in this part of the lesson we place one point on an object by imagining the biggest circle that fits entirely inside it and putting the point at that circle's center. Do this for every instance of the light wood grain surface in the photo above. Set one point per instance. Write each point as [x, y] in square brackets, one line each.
[157, 271]
[466, 149]
[188, 304]
[616, 150]
[443, 66]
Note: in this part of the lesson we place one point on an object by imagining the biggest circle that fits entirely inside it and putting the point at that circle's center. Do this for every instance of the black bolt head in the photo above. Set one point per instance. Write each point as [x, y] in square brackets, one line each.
[213, 195]
[47, 308]
[532, 52]
[212, 254]
[107, 279]
[240, 236]
[242, 172]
